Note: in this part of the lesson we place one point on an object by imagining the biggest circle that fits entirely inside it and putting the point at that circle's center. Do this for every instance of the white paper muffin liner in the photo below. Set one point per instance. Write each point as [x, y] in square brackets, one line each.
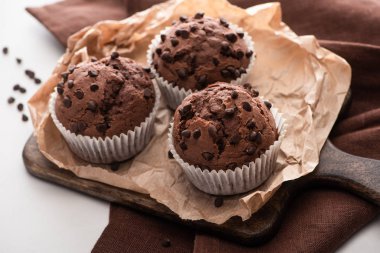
[241, 179]
[173, 94]
[108, 150]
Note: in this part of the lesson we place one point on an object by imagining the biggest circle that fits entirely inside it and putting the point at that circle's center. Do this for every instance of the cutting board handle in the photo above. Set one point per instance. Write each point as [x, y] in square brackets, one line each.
[356, 174]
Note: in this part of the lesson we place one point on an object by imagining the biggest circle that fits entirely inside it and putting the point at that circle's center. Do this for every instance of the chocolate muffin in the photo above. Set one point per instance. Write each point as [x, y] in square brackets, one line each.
[223, 127]
[199, 51]
[104, 98]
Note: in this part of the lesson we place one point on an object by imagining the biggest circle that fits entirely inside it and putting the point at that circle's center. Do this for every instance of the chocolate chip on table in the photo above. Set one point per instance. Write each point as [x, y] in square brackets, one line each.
[158, 51]
[37, 80]
[174, 42]
[231, 166]
[234, 94]
[218, 202]
[199, 15]
[18, 60]
[182, 73]
[197, 133]
[79, 94]
[231, 37]
[251, 124]
[249, 54]
[268, 104]
[166, 243]
[11, 100]
[92, 106]
[24, 118]
[229, 112]
[246, 106]
[183, 18]
[70, 84]
[207, 156]
[186, 133]
[5, 50]
[20, 107]
[183, 145]
[94, 87]
[16, 87]
[114, 166]
[240, 34]
[114, 55]
[212, 131]
[163, 37]
[22, 90]
[235, 139]
[67, 102]
[252, 136]
[30, 73]
[170, 155]
[250, 150]
[148, 93]
[93, 73]
[215, 61]
[223, 22]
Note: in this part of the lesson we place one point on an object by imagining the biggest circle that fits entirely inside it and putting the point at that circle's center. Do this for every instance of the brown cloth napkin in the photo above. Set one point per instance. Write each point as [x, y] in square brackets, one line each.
[319, 220]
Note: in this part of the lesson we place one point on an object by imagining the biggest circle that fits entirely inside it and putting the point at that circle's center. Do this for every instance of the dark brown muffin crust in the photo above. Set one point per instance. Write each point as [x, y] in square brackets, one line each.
[104, 98]
[199, 51]
[223, 127]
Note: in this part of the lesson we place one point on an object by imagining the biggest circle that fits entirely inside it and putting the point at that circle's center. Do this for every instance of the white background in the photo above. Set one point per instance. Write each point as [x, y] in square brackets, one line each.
[36, 216]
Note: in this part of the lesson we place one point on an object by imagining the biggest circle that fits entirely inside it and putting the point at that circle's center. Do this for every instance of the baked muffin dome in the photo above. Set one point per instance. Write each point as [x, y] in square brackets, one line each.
[104, 98]
[223, 127]
[199, 51]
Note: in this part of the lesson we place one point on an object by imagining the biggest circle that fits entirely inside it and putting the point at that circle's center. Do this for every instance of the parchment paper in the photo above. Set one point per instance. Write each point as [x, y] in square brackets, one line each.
[306, 82]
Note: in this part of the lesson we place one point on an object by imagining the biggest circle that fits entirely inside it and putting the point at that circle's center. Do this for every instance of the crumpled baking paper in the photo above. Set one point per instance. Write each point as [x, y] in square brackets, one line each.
[305, 81]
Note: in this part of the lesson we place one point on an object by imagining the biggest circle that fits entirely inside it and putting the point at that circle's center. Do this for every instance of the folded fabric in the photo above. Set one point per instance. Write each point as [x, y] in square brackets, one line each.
[319, 220]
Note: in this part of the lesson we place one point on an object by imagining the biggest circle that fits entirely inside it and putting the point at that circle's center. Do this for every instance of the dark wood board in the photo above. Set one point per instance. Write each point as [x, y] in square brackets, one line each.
[357, 175]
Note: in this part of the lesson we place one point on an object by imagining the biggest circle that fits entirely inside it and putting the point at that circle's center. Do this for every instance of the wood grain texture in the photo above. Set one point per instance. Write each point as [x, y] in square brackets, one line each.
[358, 175]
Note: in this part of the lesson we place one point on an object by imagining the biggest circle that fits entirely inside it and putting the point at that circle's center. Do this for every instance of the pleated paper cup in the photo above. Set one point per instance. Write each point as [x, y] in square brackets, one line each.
[239, 180]
[108, 150]
[173, 94]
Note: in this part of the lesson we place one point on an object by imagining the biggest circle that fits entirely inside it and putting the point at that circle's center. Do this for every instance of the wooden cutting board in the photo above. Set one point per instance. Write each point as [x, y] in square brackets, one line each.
[357, 175]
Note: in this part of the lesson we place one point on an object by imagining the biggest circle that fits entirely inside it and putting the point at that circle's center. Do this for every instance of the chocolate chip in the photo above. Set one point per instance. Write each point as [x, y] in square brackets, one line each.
[65, 75]
[94, 87]
[184, 34]
[231, 37]
[163, 37]
[231, 69]
[251, 124]
[114, 166]
[241, 35]
[243, 70]
[179, 55]
[60, 88]
[255, 93]
[252, 136]
[22, 90]
[71, 69]
[147, 69]
[148, 93]
[93, 73]
[212, 131]
[186, 109]
[92, 106]
[182, 73]
[79, 94]
[178, 33]
[78, 127]
[174, 42]
[70, 84]
[235, 139]
[246, 106]
[215, 61]
[170, 155]
[11, 100]
[268, 104]
[183, 18]
[166, 243]
[116, 66]
[199, 15]
[29, 73]
[221, 145]
[114, 55]
[18, 60]
[249, 54]
[186, 112]
[20, 107]
[193, 28]
[24, 118]
[258, 138]
[93, 59]
[239, 54]
[186, 133]
[5, 50]
[250, 150]
[158, 51]
[225, 73]
[223, 22]
[202, 81]
[225, 46]
[234, 94]
[183, 145]
[218, 202]
[67, 102]
[102, 127]
[231, 166]
[167, 57]
[16, 87]
[37, 80]
[229, 112]
[197, 133]
[207, 156]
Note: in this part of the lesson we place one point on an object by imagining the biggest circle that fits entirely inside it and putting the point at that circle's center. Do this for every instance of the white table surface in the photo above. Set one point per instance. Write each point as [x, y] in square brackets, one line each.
[36, 216]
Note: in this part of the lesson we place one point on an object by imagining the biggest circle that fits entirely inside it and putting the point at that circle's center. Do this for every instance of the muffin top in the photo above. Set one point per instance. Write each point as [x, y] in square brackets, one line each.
[223, 127]
[104, 98]
[199, 51]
